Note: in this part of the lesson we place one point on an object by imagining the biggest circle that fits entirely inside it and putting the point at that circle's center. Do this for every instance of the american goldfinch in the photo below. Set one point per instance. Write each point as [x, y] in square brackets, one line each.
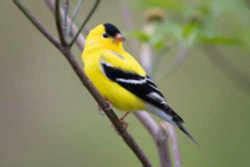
[121, 79]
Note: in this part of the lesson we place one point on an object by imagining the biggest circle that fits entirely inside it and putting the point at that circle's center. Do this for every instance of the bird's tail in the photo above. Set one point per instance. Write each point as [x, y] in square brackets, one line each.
[169, 115]
[186, 132]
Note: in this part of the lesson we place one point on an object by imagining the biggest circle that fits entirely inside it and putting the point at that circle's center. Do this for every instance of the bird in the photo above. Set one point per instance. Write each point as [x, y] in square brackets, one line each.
[120, 78]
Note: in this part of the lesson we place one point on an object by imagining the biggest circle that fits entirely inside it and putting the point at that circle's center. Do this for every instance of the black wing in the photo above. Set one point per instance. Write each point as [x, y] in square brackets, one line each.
[142, 87]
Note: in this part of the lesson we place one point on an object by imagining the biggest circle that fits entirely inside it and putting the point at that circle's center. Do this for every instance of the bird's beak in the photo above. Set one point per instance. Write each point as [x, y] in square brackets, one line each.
[119, 38]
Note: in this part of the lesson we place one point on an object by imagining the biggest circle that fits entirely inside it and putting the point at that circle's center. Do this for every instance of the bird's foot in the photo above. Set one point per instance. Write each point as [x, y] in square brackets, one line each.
[124, 124]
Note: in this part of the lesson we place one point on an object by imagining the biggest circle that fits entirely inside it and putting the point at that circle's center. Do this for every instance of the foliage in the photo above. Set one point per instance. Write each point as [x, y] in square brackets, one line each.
[215, 22]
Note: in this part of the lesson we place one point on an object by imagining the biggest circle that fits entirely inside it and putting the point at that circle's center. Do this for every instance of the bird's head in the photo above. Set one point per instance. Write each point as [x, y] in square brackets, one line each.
[105, 35]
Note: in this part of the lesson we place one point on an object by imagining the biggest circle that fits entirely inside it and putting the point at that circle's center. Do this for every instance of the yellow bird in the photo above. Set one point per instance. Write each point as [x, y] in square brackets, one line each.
[121, 79]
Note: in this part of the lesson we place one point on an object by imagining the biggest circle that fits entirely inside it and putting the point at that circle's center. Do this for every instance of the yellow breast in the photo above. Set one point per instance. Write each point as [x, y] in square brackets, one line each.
[113, 92]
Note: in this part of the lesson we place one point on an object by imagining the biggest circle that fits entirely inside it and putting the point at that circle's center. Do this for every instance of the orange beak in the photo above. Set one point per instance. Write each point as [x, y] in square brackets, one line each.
[119, 38]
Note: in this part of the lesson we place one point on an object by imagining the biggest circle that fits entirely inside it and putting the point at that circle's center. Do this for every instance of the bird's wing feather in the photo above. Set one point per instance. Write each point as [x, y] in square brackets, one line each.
[131, 76]
[141, 86]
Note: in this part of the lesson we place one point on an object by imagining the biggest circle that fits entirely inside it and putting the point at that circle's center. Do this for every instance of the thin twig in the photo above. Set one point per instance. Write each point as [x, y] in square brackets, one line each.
[74, 15]
[80, 40]
[87, 83]
[92, 11]
[76, 10]
[59, 23]
[65, 16]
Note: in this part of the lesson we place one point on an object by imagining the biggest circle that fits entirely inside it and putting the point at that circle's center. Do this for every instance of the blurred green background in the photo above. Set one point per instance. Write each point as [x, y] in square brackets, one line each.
[48, 119]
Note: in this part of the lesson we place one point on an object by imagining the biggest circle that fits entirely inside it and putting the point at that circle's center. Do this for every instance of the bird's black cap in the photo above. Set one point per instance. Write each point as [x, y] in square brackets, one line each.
[111, 30]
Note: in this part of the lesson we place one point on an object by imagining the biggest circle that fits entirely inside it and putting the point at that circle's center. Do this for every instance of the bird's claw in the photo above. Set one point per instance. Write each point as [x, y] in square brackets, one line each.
[124, 124]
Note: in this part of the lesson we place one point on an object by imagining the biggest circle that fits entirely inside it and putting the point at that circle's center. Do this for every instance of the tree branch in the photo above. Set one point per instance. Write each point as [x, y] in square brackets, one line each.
[174, 143]
[65, 26]
[74, 15]
[158, 134]
[80, 39]
[58, 18]
[37, 24]
[87, 83]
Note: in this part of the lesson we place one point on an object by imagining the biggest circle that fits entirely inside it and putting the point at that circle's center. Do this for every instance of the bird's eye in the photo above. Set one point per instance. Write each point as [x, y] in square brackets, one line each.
[105, 35]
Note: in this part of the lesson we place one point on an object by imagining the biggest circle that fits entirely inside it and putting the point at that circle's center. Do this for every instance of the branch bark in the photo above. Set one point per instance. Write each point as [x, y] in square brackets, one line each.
[65, 50]
[159, 136]
[174, 143]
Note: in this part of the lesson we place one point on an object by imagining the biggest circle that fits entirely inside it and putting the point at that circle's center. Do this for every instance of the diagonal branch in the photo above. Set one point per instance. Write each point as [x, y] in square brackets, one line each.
[65, 50]
[37, 24]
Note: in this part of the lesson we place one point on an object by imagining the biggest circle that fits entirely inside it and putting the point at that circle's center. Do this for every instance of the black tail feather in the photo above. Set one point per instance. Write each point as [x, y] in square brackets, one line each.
[178, 121]
[169, 115]
[184, 130]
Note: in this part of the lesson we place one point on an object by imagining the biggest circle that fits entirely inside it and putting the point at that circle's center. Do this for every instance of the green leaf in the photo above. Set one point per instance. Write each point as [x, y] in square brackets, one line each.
[160, 44]
[141, 36]
[220, 40]
[189, 29]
